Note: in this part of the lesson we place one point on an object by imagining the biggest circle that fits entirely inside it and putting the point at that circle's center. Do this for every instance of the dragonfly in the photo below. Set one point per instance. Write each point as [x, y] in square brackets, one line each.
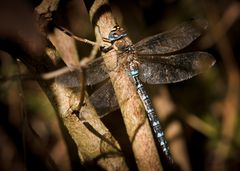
[154, 60]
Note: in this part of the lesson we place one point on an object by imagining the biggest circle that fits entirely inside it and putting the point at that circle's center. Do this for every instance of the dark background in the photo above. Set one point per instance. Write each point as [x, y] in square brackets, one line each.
[207, 106]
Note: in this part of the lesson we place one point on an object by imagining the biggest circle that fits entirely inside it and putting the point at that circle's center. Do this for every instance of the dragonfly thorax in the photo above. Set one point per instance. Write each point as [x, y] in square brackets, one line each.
[121, 43]
[119, 40]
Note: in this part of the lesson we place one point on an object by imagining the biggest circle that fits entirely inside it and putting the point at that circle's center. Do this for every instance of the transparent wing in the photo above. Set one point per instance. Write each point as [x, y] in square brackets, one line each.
[70, 79]
[173, 68]
[104, 99]
[95, 72]
[173, 40]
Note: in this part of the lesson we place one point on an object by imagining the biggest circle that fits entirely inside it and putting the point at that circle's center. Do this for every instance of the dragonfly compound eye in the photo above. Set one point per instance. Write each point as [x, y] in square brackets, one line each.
[116, 34]
[113, 36]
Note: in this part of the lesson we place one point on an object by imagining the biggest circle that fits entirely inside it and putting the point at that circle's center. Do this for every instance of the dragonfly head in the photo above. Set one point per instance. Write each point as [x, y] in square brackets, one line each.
[116, 33]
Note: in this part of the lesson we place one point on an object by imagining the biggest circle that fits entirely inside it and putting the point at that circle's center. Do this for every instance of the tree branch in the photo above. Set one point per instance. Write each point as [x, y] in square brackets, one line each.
[133, 112]
[94, 147]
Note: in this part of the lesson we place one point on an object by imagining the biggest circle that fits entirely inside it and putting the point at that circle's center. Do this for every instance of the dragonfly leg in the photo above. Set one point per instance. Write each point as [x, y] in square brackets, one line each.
[106, 49]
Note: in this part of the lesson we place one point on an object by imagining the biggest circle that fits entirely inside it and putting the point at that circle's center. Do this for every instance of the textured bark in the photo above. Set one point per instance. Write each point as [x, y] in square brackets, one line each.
[94, 142]
[132, 109]
[95, 145]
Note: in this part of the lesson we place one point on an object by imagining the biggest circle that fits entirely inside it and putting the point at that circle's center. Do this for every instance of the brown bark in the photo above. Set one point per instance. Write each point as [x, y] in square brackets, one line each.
[133, 112]
[94, 142]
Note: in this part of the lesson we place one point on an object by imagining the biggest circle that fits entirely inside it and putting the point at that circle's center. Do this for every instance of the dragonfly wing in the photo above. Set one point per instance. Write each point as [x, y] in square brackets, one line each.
[70, 79]
[174, 68]
[104, 99]
[173, 40]
[96, 72]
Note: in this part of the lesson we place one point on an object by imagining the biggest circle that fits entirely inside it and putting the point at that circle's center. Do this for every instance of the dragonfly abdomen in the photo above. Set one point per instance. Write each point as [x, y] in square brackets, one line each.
[153, 119]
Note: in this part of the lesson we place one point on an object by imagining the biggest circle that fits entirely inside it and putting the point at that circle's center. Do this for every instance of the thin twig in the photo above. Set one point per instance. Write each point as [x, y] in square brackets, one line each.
[83, 64]
[55, 73]
[199, 125]
[67, 32]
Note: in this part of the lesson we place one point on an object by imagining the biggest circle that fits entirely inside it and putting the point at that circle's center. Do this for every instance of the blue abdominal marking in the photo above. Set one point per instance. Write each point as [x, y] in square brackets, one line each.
[153, 119]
